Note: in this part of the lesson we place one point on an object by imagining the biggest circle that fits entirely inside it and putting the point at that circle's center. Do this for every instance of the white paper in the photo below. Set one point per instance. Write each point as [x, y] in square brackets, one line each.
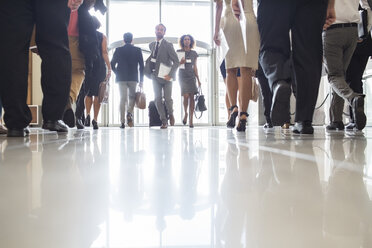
[243, 24]
[222, 49]
[163, 70]
[180, 56]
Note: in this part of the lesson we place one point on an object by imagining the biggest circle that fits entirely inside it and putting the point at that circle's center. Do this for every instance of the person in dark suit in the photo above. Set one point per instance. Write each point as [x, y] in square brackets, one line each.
[127, 63]
[305, 20]
[51, 19]
[163, 56]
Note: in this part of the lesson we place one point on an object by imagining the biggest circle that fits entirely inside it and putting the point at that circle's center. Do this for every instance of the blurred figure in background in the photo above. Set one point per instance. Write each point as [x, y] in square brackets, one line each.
[127, 64]
[99, 74]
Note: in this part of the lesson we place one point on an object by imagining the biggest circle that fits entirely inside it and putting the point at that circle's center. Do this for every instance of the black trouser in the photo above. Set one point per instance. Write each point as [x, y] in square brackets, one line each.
[265, 92]
[358, 63]
[18, 18]
[305, 19]
[80, 102]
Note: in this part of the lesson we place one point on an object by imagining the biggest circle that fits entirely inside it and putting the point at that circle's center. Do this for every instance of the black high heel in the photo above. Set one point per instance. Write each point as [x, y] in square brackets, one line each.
[242, 122]
[233, 115]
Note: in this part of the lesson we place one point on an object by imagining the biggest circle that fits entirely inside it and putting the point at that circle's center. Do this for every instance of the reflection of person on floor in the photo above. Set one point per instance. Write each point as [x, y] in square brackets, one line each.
[14, 193]
[73, 197]
[347, 216]
[188, 189]
[238, 200]
[290, 202]
[130, 192]
[162, 191]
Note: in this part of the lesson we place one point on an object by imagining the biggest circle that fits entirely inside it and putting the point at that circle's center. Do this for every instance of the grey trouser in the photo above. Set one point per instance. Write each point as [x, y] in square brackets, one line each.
[127, 88]
[162, 86]
[339, 45]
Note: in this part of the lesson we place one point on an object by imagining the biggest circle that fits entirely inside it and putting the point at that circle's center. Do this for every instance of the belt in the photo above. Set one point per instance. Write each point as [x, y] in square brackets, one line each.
[343, 25]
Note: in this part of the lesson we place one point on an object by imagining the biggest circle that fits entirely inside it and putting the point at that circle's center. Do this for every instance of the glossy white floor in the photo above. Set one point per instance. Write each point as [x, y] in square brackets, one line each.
[207, 187]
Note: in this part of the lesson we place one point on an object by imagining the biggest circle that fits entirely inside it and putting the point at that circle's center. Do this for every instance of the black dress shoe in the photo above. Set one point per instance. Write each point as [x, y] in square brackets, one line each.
[280, 104]
[303, 127]
[357, 105]
[122, 126]
[79, 124]
[350, 126]
[87, 121]
[18, 132]
[69, 118]
[335, 125]
[58, 126]
[94, 124]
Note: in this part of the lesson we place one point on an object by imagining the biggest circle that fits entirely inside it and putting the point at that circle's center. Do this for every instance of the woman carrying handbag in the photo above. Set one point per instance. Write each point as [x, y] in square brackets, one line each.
[187, 76]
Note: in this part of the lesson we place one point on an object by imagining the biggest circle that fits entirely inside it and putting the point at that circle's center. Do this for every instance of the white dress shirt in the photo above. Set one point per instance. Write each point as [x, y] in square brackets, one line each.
[347, 10]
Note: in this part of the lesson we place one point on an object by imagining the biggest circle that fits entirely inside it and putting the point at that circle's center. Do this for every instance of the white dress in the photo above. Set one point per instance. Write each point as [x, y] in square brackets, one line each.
[236, 56]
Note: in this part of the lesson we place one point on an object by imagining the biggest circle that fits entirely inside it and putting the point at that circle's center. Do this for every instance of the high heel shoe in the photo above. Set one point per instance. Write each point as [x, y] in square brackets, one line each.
[233, 115]
[242, 122]
[87, 121]
[184, 121]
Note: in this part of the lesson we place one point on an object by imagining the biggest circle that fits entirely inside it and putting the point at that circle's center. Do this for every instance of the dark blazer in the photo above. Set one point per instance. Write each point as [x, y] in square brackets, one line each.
[126, 63]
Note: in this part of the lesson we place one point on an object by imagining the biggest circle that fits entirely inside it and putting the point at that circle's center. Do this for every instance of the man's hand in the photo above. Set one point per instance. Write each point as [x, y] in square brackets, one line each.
[74, 4]
[236, 9]
[167, 77]
[331, 17]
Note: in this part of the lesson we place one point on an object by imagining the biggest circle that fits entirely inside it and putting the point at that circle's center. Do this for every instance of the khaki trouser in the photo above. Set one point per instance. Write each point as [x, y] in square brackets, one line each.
[78, 67]
[127, 90]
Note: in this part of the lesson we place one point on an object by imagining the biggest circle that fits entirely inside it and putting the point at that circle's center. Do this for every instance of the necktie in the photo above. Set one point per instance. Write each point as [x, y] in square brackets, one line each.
[152, 65]
[156, 49]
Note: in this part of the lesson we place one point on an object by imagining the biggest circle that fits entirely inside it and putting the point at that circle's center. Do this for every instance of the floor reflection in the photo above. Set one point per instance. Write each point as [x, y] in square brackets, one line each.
[206, 187]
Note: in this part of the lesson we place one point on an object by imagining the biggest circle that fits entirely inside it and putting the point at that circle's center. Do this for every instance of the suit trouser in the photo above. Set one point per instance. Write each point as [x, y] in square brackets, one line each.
[354, 72]
[78, 67]
[127, 90]
[51, 18]
[265, 92]
[1, 109]
[339, 45]
[163, 88]
[305, 19]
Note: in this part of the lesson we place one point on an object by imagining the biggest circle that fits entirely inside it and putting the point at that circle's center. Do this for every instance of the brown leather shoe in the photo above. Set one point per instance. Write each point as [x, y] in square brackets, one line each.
[164, 126]
[171, 120]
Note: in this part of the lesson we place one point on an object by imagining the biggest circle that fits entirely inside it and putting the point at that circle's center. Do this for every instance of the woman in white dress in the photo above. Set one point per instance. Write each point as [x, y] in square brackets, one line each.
[237, 57]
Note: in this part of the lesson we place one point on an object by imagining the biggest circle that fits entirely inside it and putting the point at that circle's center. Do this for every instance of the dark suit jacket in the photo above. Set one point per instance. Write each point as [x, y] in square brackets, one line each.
[126, 62]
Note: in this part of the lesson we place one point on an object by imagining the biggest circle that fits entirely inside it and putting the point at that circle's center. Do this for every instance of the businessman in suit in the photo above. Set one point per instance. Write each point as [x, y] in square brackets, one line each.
[127, 63]
[51, 19]
[163, 55]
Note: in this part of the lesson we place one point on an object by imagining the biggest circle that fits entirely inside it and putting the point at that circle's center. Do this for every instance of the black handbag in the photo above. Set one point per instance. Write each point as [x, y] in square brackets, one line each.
[363, 24]
[147, 69]
[199, 103]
